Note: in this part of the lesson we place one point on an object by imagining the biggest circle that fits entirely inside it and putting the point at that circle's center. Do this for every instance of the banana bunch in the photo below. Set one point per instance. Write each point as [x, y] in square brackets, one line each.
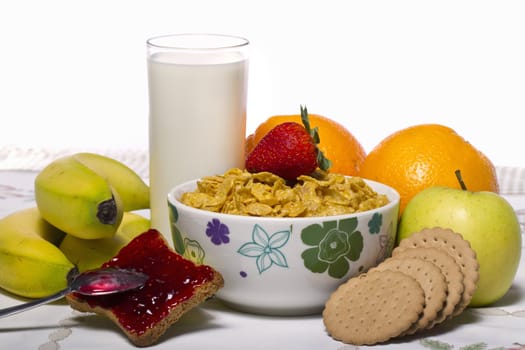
[82, 218]
[35, 257]
[86, 194]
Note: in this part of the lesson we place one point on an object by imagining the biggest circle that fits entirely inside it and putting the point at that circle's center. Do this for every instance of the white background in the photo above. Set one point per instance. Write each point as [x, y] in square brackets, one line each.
[73, 73]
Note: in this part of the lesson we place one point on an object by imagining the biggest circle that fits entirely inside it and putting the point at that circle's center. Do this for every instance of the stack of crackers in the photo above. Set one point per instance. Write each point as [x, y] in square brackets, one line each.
[430, 278]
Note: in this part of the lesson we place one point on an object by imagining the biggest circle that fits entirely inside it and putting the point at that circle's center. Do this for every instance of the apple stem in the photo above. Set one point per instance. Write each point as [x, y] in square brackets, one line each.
[460, 180]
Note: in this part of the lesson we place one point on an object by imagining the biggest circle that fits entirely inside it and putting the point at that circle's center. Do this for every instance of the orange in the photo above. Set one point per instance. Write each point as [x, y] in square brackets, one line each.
[426, 155]
[336, 142]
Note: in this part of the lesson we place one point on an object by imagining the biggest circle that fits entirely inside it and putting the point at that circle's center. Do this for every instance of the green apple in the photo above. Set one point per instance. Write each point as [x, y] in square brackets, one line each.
[485, 219]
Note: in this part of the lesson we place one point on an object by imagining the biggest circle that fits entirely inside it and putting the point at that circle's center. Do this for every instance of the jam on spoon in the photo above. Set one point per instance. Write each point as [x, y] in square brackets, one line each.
[93, 282]
[108, 280]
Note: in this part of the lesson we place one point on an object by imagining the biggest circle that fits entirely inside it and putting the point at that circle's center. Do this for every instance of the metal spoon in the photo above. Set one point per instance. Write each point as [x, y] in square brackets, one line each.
[93, 282]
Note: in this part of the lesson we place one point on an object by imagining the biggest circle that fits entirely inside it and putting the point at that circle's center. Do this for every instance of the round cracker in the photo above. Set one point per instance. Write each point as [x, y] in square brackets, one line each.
[455, 245]
[449, 268]
[430, 278]
[373, 307]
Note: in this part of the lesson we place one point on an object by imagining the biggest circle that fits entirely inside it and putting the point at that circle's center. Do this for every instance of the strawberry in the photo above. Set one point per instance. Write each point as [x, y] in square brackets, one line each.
[288, 150]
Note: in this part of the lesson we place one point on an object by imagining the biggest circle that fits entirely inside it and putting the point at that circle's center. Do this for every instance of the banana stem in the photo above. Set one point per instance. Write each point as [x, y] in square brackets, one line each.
[107, 212]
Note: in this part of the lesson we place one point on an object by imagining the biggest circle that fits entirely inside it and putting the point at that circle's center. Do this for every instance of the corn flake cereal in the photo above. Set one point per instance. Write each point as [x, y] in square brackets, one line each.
[265, 194]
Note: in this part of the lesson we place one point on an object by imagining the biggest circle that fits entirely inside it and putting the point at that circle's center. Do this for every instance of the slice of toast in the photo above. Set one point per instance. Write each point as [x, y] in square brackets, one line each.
[175, 286]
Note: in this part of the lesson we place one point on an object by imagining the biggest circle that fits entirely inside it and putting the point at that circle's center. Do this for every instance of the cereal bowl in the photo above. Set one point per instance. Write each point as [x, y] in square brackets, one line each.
[283, 266]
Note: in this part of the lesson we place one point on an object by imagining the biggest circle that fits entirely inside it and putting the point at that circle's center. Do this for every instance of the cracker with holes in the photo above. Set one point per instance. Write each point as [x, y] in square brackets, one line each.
[374, 307]
[435, 264]
[455, 245]
[430, 278]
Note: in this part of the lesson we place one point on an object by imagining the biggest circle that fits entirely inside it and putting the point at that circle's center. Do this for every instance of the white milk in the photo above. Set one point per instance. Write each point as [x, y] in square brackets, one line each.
[197, 122]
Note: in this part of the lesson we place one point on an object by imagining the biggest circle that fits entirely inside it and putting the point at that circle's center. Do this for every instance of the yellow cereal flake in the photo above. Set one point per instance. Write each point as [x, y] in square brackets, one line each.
[265, 194]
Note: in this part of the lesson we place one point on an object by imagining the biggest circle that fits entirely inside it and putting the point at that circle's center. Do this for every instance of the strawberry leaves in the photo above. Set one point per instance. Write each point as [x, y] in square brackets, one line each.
[323, 162]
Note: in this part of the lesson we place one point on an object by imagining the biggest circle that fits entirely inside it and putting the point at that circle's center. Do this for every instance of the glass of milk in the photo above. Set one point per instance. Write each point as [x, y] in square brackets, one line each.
[197, 111]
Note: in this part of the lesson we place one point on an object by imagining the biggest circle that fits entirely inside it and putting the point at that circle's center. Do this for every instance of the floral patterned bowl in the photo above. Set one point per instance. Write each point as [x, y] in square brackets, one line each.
[283, 266]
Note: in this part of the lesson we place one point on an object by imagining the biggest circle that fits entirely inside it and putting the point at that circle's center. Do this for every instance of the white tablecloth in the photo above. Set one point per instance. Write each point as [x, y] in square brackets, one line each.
[213, 326]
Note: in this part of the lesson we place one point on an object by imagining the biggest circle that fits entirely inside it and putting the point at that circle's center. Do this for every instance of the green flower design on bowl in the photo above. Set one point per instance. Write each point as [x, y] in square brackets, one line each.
[186, 247]
[333, 245]
[178, 241]
[193, 251]
[375, 223]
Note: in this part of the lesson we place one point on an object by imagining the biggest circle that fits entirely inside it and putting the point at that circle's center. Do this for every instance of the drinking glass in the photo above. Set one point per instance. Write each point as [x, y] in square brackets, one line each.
[197, 111]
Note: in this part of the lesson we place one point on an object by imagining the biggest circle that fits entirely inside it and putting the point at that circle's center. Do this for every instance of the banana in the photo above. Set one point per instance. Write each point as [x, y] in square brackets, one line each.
[133, 191]
[30, 220]
[31, 265]
[78, 201]
[90, 254]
